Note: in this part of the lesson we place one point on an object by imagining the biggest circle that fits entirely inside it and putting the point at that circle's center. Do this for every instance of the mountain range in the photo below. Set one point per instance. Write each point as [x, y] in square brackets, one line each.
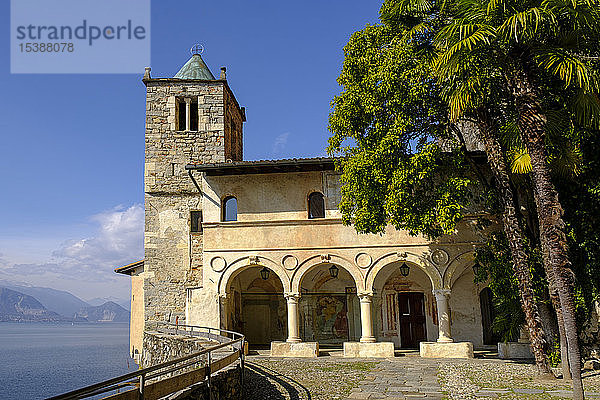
[29, 303]
[15, 306]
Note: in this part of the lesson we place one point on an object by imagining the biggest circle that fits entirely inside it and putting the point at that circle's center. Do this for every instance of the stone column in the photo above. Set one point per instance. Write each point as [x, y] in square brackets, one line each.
[441, 298]
[188, 103]
[292, 318]
[366, 322]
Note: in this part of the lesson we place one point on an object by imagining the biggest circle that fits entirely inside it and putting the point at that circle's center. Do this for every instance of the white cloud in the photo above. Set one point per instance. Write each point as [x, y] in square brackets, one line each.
[85, 266]
[280, 143]
[120, 237]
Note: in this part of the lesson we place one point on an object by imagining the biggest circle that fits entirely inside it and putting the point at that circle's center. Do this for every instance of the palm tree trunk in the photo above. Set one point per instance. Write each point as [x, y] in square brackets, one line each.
[516, 239]
[554, 297]
[532, 123]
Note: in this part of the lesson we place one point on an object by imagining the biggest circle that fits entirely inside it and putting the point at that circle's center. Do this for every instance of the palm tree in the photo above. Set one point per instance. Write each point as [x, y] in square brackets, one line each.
[515, 236]
[517, 42]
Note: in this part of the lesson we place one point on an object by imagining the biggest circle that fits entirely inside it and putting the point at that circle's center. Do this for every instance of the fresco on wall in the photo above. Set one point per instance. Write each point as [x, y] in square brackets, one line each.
[330, 319]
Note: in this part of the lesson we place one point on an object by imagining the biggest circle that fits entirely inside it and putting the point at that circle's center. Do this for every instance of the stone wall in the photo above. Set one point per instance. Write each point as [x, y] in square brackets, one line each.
[225, 385]
[161, 347]
[170, 267]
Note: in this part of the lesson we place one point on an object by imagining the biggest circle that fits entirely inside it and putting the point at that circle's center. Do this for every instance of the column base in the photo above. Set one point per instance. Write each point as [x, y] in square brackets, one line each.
[300, 349]
[369, 350]
[367, 339]
[445, 340]
[446, 350]
[514, 351]
[293, 340]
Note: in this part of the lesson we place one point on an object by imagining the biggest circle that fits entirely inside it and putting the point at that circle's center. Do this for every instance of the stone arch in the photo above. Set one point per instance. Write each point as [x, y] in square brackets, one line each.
[456, 268]
[316, 260]
[382, 262]
[243, 263]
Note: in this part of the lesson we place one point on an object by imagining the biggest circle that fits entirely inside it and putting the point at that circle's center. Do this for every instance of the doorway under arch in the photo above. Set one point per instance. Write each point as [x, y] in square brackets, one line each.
[405, 307]
[256, 306]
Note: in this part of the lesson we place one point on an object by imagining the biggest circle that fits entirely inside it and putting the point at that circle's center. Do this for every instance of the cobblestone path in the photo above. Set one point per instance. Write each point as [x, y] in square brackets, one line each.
[403, 378]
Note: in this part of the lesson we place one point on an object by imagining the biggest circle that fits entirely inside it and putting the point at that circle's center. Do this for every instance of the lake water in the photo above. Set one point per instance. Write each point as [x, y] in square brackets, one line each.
[39, 360]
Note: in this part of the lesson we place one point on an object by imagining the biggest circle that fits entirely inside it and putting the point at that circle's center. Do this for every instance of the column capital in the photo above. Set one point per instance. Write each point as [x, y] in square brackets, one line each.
[441, 292]
[365, 296]
[292, 296]
[187, 100]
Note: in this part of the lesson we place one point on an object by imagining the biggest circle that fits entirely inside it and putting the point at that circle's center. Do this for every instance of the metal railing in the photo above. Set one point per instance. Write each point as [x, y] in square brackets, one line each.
[136, 385]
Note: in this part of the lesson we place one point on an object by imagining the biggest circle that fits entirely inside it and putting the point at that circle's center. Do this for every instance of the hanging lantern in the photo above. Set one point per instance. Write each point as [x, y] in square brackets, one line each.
[333, 271]
[476, 269]
[264, 273]
[404, 269]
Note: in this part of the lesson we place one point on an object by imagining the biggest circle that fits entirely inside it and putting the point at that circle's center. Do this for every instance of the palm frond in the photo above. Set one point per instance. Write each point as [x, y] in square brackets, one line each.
[524, 25]
[463, 38]
[586, 107]
[567, 67]
[567, 163]
[494, 5]
[520, 161]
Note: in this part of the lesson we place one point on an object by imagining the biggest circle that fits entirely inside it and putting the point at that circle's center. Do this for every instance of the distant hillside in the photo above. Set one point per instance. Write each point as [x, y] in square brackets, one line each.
[107, 312]
[59, 301]
[98, 301]
[19, 307]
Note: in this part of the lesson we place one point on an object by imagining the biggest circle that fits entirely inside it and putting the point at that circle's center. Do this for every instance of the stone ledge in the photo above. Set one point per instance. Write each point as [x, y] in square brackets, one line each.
[446, 350]
[514, 351]
[301, 349]
[369, 350]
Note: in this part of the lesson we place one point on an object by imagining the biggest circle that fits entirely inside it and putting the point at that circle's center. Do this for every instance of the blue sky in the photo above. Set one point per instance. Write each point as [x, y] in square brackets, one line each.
[73, 145]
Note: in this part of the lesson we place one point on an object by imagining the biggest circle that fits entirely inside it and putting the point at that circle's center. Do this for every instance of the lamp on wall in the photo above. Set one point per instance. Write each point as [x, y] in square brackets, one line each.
[334, 271]
[264, 273]
[404, 269]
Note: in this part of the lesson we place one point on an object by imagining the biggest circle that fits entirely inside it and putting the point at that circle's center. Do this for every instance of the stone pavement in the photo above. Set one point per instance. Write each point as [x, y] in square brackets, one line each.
[407, 377]
[400, 378]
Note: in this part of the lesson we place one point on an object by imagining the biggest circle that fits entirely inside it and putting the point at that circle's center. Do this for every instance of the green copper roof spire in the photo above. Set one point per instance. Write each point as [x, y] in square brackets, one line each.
[195, 68]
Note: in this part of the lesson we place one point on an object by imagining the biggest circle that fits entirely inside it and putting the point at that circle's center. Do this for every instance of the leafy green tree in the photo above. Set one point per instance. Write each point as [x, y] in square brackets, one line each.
[385, 124]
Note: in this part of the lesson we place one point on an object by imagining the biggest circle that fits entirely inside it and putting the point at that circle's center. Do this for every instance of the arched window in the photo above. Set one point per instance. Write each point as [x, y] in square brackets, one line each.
[316, 205]
[229, 209]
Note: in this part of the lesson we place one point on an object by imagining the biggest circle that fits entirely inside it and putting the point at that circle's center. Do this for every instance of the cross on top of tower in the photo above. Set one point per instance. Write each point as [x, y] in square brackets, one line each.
[197, 49]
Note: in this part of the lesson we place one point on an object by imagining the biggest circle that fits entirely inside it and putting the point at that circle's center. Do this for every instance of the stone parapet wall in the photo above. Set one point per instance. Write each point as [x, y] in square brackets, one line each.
[162, 347]
[225, 385]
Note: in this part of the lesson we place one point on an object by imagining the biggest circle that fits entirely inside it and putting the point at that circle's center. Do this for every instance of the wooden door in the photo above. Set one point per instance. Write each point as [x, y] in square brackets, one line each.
[411, 307]
[257, 323]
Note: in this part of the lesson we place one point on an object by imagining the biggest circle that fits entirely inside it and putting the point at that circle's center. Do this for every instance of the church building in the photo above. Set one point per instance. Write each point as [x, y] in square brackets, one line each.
[259, 247]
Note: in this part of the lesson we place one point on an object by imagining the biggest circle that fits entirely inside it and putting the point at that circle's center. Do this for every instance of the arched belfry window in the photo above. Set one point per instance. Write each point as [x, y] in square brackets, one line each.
[229, 209]
[316, 205]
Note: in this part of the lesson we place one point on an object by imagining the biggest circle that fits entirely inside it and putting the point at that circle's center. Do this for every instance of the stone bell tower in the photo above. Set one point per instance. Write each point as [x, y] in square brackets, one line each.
[192, 117]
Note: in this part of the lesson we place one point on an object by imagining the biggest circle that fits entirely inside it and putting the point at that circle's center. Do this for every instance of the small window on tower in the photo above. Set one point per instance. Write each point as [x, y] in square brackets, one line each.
[194, 116]
[181, 115]
[195, 221]
[185, 121]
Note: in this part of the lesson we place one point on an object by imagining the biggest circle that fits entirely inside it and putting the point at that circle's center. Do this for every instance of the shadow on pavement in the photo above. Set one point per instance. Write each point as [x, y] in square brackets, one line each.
[258, 384]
